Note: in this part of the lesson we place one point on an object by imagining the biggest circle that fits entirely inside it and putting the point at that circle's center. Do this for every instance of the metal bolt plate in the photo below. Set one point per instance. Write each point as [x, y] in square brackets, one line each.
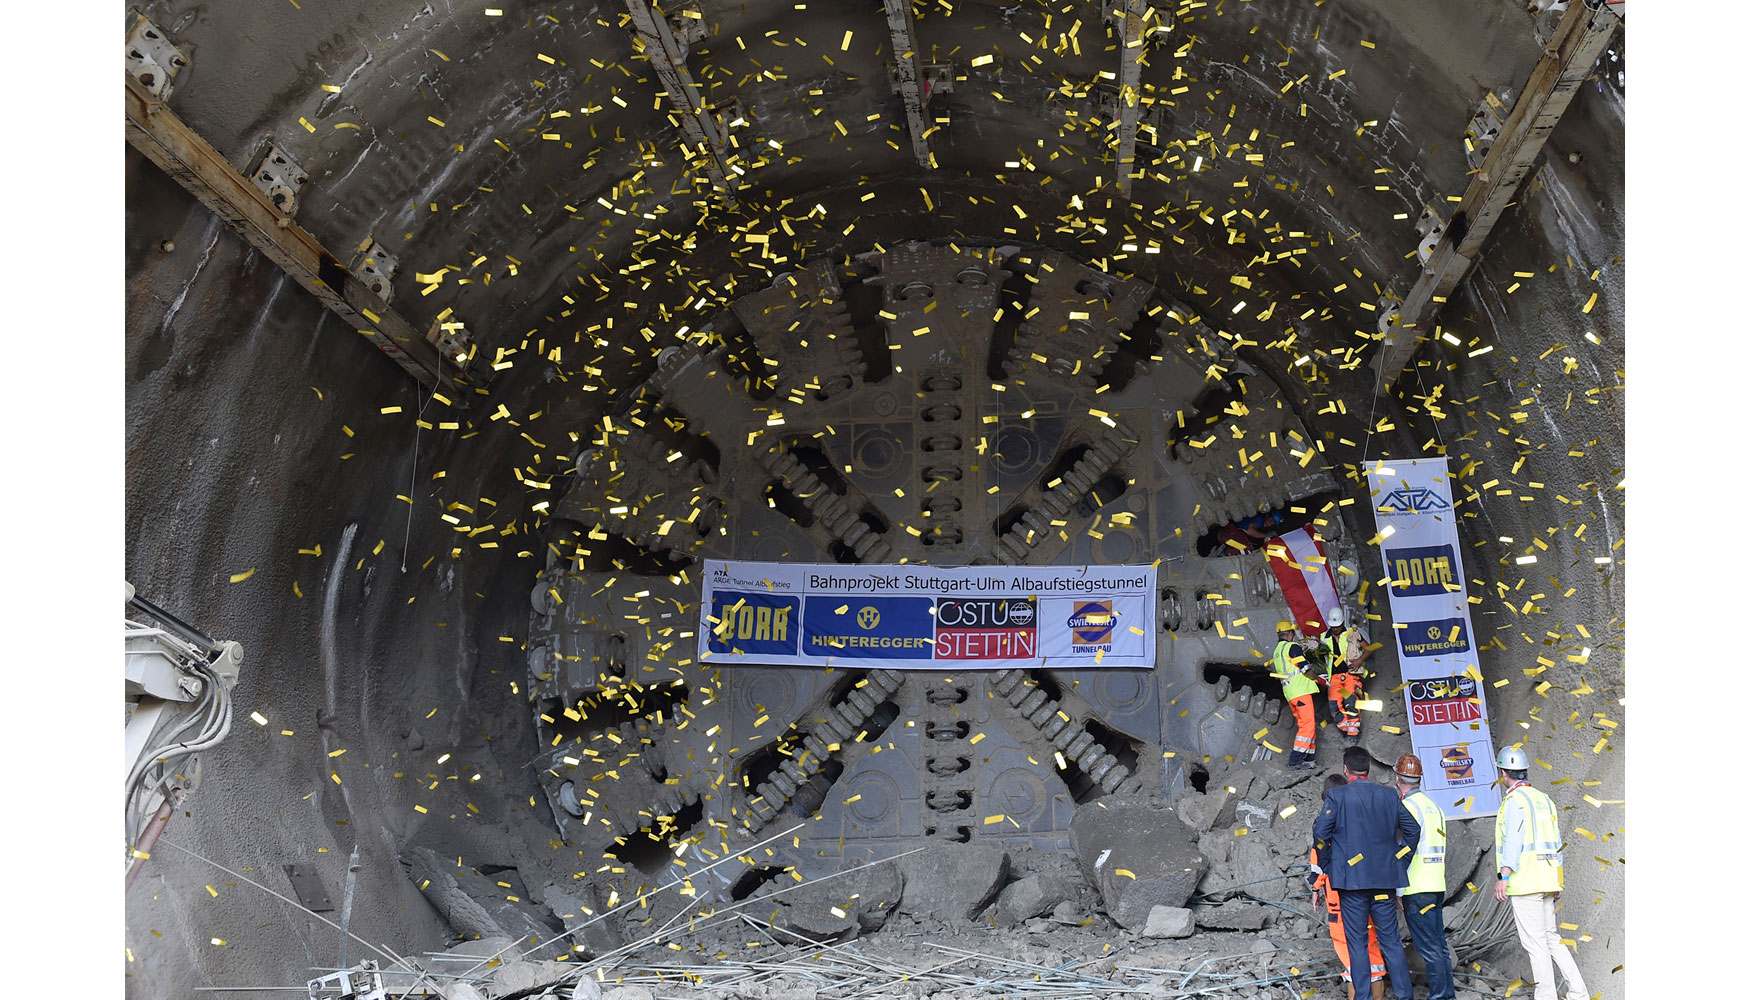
[152, 59]
[279, 177]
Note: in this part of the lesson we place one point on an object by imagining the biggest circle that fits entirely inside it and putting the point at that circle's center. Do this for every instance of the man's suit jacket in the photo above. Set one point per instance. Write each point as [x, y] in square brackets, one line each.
[1360, 829]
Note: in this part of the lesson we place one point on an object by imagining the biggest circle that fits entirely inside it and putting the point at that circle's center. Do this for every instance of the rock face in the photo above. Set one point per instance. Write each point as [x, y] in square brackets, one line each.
[954, 882]
[1169, 922]
[1138, 855]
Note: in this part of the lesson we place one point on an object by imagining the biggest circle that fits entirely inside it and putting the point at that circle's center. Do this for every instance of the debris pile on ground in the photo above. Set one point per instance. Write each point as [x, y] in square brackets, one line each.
[1202, 895]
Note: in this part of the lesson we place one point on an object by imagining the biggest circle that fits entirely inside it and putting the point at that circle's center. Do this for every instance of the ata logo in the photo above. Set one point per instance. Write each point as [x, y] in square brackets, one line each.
[1092, 622]
[868, 618]
[1412, 501]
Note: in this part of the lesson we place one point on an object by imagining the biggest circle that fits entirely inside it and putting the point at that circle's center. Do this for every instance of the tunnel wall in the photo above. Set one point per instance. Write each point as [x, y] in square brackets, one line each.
[240, 390]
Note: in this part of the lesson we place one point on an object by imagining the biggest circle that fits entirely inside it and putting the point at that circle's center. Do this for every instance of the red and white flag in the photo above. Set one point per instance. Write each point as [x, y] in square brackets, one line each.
[1298, 558]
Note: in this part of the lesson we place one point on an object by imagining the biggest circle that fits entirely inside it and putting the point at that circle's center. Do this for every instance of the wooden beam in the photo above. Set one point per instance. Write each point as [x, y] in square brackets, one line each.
[658, 43]
[1132, 19]
[1567, 59]
[192, 162]
[904, 31]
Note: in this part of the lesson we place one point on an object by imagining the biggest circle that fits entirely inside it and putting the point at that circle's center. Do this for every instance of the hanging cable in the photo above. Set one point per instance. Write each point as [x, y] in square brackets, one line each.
[413, 475]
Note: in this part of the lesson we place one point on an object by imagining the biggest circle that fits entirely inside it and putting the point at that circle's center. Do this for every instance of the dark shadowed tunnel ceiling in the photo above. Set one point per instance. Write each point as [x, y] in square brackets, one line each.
[375, 549]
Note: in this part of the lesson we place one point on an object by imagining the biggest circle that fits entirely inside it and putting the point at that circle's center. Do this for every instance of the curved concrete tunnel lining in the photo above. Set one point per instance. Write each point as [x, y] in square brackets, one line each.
[294, 484]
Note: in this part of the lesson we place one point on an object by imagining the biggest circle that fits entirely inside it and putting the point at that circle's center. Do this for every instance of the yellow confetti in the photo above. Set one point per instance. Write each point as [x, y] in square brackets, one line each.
[240, 577]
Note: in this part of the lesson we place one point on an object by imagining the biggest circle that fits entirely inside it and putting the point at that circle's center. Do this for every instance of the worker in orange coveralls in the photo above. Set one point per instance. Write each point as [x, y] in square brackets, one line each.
[1343, 651]
[1322, 891]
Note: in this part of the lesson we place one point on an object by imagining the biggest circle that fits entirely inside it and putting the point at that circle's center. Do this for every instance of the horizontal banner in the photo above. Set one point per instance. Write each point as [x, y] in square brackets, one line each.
[1449, 712]
[928, 617]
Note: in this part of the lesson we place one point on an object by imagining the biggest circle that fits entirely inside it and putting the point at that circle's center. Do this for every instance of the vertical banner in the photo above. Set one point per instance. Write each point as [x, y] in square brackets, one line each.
[927, 617]
[1443, 685]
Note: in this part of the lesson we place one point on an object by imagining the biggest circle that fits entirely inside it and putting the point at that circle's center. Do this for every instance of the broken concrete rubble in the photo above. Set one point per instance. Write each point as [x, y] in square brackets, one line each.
[1254, 814]
[1233, 916]
[476, 906]
[1138, 855]
[518, 978]
[1135, 863]
[1030, 897]
[1050, 880]
[858, 902]
[1169, 922]
[959, 880]
[1203, 811]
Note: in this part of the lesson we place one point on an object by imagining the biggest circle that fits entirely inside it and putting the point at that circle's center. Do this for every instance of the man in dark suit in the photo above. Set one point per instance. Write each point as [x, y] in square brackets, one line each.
[1369, 839]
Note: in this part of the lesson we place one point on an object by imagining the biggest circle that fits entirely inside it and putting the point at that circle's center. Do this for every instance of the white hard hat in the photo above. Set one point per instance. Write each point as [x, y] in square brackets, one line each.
[1334, 617]
[1512, 759]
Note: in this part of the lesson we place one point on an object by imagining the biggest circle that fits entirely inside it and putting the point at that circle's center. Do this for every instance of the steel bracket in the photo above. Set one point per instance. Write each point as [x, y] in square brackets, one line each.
[1432, 227]
[308, 887]
[1483, 129]
[451, 338]
[279, 177]
[153, 60]
[376, 267]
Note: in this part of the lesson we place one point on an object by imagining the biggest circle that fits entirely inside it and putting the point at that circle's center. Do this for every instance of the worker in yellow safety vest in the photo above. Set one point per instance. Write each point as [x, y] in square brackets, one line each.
[1425, 894]
[1344, 651]
[1290, 665]
[1528, 855]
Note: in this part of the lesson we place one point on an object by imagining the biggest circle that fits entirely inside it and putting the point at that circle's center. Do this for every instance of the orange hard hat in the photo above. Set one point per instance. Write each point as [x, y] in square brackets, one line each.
[1410, 766]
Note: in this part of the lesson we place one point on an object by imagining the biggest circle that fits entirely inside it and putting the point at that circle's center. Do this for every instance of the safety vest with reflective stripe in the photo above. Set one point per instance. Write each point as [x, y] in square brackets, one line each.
[1539, 865]
[1339, 662]
[1286, 670]
[1428, 869]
